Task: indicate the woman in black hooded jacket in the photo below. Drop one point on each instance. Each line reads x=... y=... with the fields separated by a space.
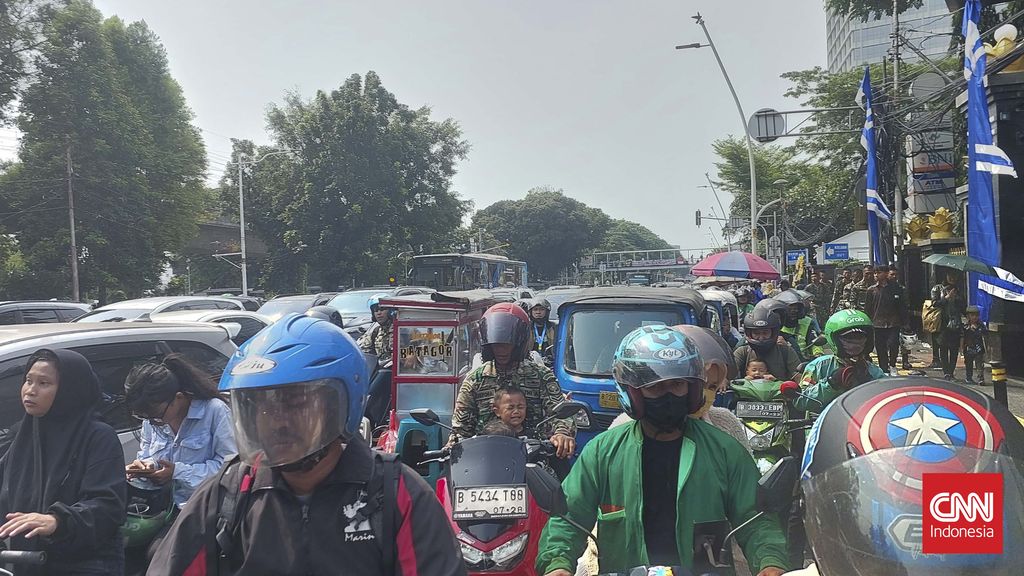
x=63 y=485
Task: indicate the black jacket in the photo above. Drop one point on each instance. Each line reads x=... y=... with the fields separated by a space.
x=886 y=305
x=280 y=535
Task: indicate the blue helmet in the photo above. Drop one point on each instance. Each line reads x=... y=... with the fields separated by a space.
x=374 y=302
x=295 y=387
x=652 y=354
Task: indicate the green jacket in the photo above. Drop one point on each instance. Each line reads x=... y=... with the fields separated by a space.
x=717 y=481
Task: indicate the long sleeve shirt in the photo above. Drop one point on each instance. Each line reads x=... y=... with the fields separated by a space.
x=204 y=442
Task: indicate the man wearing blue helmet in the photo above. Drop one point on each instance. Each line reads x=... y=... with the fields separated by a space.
x=306 y=495
x=649 y=483
x=377 y=339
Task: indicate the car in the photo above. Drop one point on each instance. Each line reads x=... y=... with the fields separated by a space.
x=143 y=308
x=277 y=307
x=243 y=325
x=113 y=349
x=250 y=303
x=40 y=311
x=354 y=308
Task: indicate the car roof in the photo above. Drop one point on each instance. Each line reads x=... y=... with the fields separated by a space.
x=14 y=334
x=293 y=297
x=65 y=303
x=719 y=296
x=155 y=301
x=637 y=295
x=204 y=316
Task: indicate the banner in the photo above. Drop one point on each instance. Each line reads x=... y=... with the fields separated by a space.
x=876 y=207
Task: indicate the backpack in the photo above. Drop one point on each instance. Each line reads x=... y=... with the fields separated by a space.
x=221 y=540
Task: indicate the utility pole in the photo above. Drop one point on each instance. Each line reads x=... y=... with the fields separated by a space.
x=241 y=226
x=71 y=219
x=897 y=186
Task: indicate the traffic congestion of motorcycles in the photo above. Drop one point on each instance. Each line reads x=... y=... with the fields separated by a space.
x=811 y=458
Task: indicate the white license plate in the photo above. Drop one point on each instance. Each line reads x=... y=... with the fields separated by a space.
x=764 y=410
x=490 y=502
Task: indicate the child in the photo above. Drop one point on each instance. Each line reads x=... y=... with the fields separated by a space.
x=974 y=345
x=510 y=407
x=758 y=370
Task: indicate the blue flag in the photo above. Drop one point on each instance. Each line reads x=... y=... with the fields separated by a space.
x=983 y=160
x=876 y=207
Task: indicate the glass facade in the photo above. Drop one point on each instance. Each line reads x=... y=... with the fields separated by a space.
x=853 y=43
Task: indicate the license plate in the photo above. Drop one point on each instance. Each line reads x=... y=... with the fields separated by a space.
x=490 y=502
x=764 y=410
x=609 y=400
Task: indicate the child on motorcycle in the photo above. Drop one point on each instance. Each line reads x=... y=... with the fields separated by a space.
x=758 y=370
x=510 y=408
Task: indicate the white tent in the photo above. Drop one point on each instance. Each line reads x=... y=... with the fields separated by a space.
x=857 y=241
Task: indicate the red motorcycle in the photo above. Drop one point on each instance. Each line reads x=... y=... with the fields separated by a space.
x=483 y=490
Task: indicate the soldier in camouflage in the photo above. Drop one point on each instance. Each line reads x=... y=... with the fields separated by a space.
x=504 y=334
x=377 y=340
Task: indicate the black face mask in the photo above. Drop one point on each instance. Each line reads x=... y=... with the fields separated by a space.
x=667 y=412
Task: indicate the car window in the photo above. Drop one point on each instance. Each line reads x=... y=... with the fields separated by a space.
x=12 y=375
x=69 y=314
x=226 y=305
x=592 y=336
x=202 y=355
x=112 y=364
x=9 y=317
x=250 y=326
x=206 y=305
x=176 y=307
x=38 y=316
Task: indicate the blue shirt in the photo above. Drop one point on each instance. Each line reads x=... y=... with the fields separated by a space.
x=205 y=440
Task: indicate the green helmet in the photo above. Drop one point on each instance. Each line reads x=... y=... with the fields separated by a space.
x=845 y=321
x=149 y=510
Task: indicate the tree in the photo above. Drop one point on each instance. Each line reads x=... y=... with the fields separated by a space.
x=865 y=9
x=21 y=24
x=623 y=235
x=546 y=229
x=102 y=92
x=368 y=177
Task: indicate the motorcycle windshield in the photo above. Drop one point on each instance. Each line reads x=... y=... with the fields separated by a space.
x=864 y=516
x=488 y=461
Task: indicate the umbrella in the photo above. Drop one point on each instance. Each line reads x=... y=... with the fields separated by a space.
x=737 y=265
x=962 y=263
x=705 y=280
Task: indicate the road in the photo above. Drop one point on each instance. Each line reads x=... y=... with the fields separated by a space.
x=921 y=357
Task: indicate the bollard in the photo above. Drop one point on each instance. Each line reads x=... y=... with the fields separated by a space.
x=999 y=383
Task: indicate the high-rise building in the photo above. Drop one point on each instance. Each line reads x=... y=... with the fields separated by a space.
x=852 y=43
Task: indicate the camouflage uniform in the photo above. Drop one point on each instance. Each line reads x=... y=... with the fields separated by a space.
x=838 y=295
x=476 y=395
x=822 y=295
x=377 y=340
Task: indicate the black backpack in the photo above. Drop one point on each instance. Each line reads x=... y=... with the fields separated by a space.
x=221 y=538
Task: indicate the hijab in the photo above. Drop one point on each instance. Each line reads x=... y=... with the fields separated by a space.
x=43 y=453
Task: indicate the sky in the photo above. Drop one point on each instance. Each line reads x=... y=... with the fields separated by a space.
x=589 y=96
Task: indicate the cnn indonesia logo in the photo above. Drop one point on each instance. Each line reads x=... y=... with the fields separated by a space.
x=962 y=514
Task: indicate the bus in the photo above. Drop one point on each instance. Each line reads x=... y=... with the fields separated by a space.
x=445 y=272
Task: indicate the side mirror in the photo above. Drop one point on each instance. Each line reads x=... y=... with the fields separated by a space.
x=820 y=341
x=424 y=416
x=775 y=488
x=790 y=390
x=569 y=408
x=546 y=491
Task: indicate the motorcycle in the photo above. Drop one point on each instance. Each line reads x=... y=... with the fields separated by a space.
x=764 y=411
x=483 y=490
x=711 y=540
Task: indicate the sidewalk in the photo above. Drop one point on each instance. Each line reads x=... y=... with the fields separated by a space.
x=921 y=358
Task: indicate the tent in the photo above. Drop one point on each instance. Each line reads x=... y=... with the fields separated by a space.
x=857 y=241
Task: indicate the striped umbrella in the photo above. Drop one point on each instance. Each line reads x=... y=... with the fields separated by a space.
x=736 y=264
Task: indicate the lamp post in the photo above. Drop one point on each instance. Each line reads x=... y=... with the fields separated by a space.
x=743 y=123
x=241 y=211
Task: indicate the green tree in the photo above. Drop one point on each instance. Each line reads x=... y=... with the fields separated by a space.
x=873 y=9
x=623 y=235
x=547 y=229
x=21 y=24
x=102 y=92
x=369 y=178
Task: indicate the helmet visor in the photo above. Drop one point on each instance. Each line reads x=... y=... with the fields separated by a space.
x=283 y=424
x=502 y=329
x=852 y=343
x=864 y=516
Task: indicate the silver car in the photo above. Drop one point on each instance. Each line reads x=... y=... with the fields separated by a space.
x=113 y=350
x=143 y=308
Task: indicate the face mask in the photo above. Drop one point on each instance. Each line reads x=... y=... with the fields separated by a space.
x=667 y=412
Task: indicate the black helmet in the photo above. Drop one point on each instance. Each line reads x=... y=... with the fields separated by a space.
x=504 y=323
x=781 y=309
x=867 y=465
x=758 y=318
x=328 y=313
x=795 y=306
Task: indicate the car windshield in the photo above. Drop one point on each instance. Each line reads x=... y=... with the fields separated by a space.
x=275 y=309
x=114 y=315
x=594 y=335
x=353 y=303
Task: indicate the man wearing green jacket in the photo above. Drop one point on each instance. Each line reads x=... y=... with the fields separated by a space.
x=647 y=484
x=850 y=334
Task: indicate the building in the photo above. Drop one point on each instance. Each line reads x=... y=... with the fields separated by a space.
x=852 y=43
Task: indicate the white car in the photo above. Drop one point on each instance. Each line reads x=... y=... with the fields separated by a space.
x=143 y=308
x=240 y=324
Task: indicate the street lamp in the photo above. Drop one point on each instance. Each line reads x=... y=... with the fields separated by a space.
x=743 y=123
x=241 y=210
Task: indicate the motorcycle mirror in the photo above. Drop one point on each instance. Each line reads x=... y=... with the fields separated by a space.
x=820 y=341
x=790 y=390
x=775 y=488
x=569 y=408
x=546 y=491
x=424 y=416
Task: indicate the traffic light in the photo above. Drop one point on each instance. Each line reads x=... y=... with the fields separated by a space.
x=698 y=217
x=392 y=281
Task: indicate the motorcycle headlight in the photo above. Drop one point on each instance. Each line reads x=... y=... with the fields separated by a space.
x=760 y=441
x=506 y=554
x=471 y=555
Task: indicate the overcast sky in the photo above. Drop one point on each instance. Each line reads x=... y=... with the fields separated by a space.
x=585 y=95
